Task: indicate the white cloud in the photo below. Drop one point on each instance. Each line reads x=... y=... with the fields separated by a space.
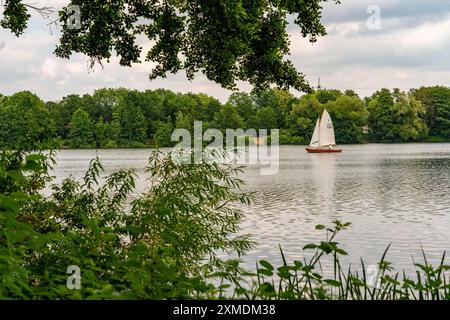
x=50 y=68
x=431 y=35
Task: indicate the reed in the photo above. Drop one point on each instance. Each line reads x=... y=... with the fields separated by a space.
x=305 y=280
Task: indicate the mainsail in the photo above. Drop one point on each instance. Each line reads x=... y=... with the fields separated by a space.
x=323 y=135
x=326 y=132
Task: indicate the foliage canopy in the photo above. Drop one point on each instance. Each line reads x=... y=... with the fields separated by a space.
x=228 y=41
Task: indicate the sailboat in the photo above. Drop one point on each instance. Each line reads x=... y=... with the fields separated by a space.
x=323 y=140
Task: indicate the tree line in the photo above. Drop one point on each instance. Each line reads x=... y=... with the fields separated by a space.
x=112 y=118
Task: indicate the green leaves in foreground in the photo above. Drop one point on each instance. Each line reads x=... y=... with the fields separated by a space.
x=158 y=246
x=306 y=280
x=166 y=243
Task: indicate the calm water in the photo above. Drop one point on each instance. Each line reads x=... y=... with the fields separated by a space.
x=390 y=193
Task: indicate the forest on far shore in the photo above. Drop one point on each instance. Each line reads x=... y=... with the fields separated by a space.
x=114 y=118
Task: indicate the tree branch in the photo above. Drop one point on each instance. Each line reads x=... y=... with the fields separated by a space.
x=45 y=12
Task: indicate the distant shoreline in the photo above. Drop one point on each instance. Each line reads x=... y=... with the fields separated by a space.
x=281 y=145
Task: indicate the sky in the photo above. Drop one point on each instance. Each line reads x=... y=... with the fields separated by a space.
x=371 y=44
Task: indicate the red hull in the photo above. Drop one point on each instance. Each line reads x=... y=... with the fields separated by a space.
x=314 y=150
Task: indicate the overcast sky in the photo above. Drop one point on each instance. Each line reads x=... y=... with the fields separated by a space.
x=410 y=49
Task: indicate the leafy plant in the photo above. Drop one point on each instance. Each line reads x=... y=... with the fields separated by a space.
x=160 y=248
x=304 y=280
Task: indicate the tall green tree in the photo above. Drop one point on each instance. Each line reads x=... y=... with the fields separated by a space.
x=102 y=133
x=326 y=95
x=228 y=118
x=280 y=101
x=437 y=103
x=205 y=108
x=349 y=118
x=67 y=107
x=103 y=103
x=163 y=134
x=81 y=130
x=244 y=105
x=396 y=116
x=25 y=121
x=303 y=117
x=152 y=106
x=115 y=132
x=183 y=121
x=351 y=93
x=266 y=118
x=133 y=124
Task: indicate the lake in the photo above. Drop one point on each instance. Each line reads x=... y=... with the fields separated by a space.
x=396 y=193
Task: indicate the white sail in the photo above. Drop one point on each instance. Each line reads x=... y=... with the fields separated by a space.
x=326 y=131
x=315 y=138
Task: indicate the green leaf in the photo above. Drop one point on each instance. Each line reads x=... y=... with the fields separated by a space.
x=267 y=288
x=310 y=246
x=265 y=272
x=266 y=265
x=35 y=157
x=326 y=247
x=110 y=237
x=333 y=283
x=341 y=251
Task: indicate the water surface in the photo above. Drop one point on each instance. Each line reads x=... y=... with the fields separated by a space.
x=397 y=194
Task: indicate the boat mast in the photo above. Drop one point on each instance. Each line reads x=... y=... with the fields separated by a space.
x=319 y=87
x=320 y=123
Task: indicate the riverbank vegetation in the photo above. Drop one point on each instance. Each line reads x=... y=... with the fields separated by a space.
x=112 y=118
x=167 y=243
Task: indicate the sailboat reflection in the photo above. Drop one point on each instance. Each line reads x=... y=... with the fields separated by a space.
x=323 y=175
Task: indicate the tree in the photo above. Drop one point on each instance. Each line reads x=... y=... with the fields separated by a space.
x=25 y=122
x=132 y=122
x=228 y=118
x=280 y=101
x=103 y=102
x=67 y=108
x=102 y=133
x=163 y=134
x=266 y=118
x=183 y=121
x=226 y=40
x=244 y=105
x=396 y=116
x=115 y=132
x=351 y=93
x=187 y=105
x=324 y=96
x=303 y=117
x=205 y=108
x=349 y=118
x=152 y=107
x=55 y=114
x=436 y=100
x=81 y=130
x=410 y=114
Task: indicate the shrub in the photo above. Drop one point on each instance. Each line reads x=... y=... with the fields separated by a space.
x=161 y=248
